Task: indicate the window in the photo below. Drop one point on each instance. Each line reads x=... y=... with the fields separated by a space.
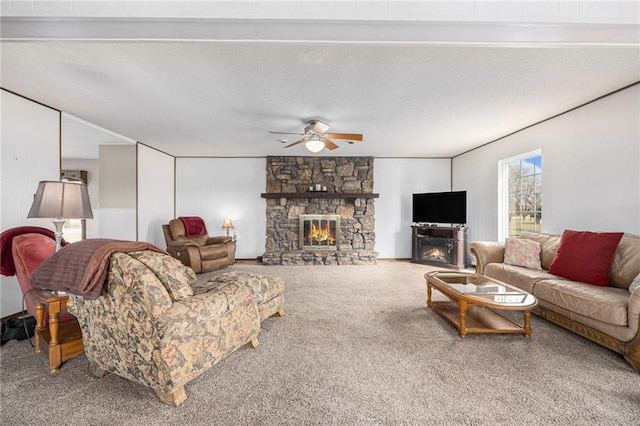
x=520 y=202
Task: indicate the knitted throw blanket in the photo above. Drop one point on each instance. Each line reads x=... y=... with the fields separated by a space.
x=193 y=226
x=81 y=268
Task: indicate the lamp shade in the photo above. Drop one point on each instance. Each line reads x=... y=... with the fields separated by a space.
x=227 y=224
x=61 y=200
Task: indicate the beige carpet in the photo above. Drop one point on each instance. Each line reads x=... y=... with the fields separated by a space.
x=357 y=347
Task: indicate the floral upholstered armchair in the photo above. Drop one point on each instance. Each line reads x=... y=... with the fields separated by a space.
x=152 y=327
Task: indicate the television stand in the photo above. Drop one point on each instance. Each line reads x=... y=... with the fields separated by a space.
x=439 y=246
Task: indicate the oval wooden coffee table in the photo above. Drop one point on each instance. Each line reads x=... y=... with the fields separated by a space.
x=474 y=302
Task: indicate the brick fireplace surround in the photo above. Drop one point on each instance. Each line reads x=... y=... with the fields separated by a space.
x=349 y=183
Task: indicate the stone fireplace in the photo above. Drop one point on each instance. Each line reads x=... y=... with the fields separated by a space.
x=335 y=226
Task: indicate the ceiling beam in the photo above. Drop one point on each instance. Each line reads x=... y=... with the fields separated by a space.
x=329 y=31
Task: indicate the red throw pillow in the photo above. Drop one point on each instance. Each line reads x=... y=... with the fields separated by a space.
x=586 y=256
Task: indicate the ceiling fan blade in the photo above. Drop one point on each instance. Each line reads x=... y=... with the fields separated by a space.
x=349 y=136
x=297 y=142
x=320 y=127
x=328 y=143
x=284 y=133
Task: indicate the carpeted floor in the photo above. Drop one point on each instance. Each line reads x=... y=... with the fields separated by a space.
x=357 y=347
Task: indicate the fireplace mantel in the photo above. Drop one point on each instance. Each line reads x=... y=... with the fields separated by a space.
x=348 y=195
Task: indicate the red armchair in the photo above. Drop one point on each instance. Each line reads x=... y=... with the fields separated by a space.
x=23 y=249
x=57 y=332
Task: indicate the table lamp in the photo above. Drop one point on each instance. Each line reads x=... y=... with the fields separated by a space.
x=227 y=225
x=60 y=201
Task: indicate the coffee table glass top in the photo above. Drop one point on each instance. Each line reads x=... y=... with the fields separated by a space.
x=484 y=288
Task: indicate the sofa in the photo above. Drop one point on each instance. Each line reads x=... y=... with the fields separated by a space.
x=201 y=253
x=156 y=325
x=606 y=314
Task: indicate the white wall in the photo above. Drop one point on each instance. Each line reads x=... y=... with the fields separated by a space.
x=117 y=176
x=116 y=217
x=396 y=180
x=30 y=153
x=113 y=199
x=221 y=188
x=590 y=170
x=156 y=200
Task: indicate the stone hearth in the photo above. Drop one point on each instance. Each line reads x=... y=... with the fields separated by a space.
x=349 y=194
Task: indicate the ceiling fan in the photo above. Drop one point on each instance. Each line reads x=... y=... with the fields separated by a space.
x=316 y=138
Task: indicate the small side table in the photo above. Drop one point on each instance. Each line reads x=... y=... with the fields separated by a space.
x=59 y=341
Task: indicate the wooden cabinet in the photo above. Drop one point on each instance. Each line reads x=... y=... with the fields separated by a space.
x=439 y=246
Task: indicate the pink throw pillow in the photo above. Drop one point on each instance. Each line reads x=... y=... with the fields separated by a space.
x=586 y=256
x=522 y=252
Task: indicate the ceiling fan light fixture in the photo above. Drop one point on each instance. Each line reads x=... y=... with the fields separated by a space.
x=315 y=145
x=316 y=138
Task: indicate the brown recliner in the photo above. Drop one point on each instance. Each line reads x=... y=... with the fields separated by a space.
x=201 y=253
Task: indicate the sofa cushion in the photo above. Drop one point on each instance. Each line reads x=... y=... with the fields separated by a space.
x=29 y=251
x=196 y=241
x=548 y=246
x=586 y=256
x=212 y=252
x=176 y=278
x=607 y=304
x=623 y=333
x=522 y=252
x=177 y=228
x=626 y=263
x=132 y=284
x=264 y=287
x=634 y=284
x=518 y=276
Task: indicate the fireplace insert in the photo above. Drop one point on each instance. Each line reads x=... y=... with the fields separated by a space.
x=319 y=231
x=436 y=249
x=439 y=246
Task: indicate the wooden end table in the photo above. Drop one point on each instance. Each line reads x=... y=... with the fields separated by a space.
x=59 y=341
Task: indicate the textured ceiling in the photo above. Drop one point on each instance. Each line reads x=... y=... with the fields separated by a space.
x=82 y=140
x=219 y=98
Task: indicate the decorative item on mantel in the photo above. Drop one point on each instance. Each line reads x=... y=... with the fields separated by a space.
x=319 y=194
x=317 y=188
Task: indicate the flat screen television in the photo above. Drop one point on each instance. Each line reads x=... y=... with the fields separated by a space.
x=440 y=207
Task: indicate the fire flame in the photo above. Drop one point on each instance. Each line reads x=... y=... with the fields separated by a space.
x=435 y=254
x=321 y=233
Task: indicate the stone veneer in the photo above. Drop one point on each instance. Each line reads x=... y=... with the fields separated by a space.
x=357 y=215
